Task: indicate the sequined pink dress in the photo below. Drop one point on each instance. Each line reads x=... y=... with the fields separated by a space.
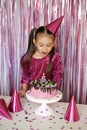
x=38 y=66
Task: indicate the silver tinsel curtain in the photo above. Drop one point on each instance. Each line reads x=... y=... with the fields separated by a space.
x=18 y=17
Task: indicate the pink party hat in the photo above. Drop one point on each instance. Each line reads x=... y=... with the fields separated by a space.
x=72 y=114
x=53 y=27
x=4 y=112
x=15 y=104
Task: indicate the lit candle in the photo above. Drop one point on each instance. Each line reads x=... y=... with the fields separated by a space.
x=43 y=79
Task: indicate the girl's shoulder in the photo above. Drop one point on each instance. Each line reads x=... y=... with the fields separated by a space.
x=56 y=56
x=23 y=58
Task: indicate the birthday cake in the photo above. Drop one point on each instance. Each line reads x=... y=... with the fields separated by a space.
x=43 y=88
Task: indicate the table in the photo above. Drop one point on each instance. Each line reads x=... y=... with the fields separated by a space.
x=44 y=108
x=27 y=119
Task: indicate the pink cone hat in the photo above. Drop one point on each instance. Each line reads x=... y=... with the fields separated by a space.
x=4 y=112
x=53 y=27
x=15 y=104
x=72 y=114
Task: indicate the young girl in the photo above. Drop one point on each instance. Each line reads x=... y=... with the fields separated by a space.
x=40 y=58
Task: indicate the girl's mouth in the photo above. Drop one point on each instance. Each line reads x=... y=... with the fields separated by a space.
x=44 y=53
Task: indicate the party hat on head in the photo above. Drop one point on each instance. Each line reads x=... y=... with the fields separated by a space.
x=53 y=27
x=72 y=114
x=15 y=104
x=4 y=112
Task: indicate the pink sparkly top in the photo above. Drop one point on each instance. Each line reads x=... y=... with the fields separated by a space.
x=37 y=67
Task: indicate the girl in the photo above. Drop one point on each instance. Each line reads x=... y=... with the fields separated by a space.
x=40 y=58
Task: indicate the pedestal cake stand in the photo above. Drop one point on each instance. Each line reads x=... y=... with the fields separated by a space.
x=44 y=109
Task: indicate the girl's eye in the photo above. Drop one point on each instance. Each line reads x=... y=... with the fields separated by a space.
x=41 y=45
x=48 y=45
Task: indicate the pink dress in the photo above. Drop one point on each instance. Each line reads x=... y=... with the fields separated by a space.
x=37 y=67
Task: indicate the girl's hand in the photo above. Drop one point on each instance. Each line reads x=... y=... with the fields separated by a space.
x=22 y=91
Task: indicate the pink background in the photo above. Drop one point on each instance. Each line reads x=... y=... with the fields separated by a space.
x=18 y=17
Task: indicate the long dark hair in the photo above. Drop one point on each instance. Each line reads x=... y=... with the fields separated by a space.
x=31 y=47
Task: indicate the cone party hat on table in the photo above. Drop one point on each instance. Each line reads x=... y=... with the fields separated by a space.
x=15 y=104
x=72 y=114
x=53 y=26
x=4 y=112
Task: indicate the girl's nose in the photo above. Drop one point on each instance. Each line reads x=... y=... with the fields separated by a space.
x=45 y=49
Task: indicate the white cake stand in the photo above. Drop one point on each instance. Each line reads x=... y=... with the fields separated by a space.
x=44 y=109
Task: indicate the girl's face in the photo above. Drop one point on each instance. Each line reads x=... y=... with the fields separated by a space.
x=44 y=44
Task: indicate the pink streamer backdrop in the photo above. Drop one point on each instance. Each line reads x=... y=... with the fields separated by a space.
x=18 y=17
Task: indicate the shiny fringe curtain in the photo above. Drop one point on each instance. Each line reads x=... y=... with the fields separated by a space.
x=18 y=17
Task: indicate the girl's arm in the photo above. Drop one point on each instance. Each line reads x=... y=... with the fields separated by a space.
x=24 y=82
x=57 y=69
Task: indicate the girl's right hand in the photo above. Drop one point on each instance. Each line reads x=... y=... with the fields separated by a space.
x=23 y=90
x=21 y=93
